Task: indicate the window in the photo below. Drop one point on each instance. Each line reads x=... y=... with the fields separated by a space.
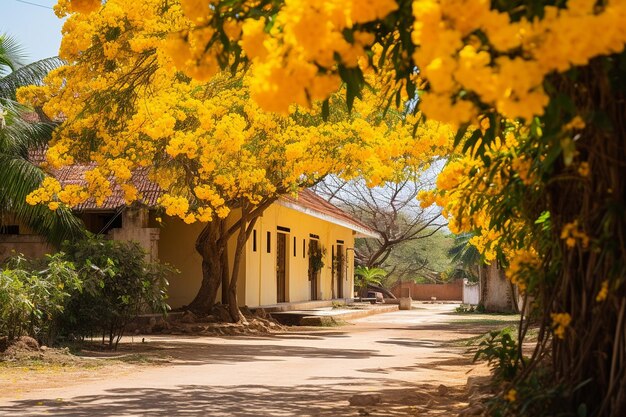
x=10 y=229
x=254 y=240
x=294 y=246
x=303 y=248
x=269 y=242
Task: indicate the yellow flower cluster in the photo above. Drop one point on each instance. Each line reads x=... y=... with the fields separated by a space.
x=520 y=262
x=468 y=181
x=295 y=60
x=572 y=233
x=98 y=186
x=174 y=205
x=511 y=395
x=77 y=6
x=45 y=193
x=522 y=166
x=560 y=321
x=604 y=291
x=506 y=66
x=583 y=169
x=480 y=51
x=73 y=195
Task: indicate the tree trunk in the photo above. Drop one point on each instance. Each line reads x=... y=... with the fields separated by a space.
x=589 y=284
x=211 y=246
x=225 y=265
x=242 y=237
x=482 y=285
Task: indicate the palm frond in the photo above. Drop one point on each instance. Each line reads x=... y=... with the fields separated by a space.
x=18 y=175
x=18 y=178
x=20 y=135
x=462 y=252
x=12 y=54
x=31 y=74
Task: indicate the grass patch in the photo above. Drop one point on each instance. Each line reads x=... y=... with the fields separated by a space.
x=488 y=321
x=476 y=340
x=513 y=329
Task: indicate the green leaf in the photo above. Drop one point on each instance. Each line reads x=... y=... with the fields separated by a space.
x=545 y=216
x=473 y=139
x=325 y=109
x=460 y=134
x=354 y=83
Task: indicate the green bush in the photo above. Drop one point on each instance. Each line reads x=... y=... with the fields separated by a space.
x=364 y=276
x=33 y=294
x=118 y=284
x=465 y=309
x=501 y=351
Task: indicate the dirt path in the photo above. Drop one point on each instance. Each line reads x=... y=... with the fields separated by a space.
x=403 y=356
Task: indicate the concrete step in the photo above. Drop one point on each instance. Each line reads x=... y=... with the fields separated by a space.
x=302 y=305
x=326 y=317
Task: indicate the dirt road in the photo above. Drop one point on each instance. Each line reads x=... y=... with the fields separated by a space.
x=405 y=357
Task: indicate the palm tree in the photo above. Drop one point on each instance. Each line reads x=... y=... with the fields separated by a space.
x=19 y=175
x=364 y=277
x=465 y=258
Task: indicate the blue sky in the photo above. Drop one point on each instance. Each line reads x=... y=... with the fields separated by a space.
x=36 y=28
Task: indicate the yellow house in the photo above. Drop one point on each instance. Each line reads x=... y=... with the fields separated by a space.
x=278 y=263
x=301 y=249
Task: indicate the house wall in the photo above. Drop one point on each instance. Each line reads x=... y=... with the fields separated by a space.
x=176 y=247
x=261 y=282
x=135 y=228
x=31 y=246
x=257 y=284
x=26 y=242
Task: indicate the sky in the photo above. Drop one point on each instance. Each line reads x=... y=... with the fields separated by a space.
x=34 y=25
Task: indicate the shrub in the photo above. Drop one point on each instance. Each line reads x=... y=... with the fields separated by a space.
x=502 y=353
x=465 y=309
x=119 y=283
x=365 y=276
x=33 y=294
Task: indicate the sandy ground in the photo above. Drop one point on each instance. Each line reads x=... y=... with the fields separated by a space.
x=404 y=356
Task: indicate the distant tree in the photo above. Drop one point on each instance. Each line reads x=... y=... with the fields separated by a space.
x=423 y=260
x=393 y=211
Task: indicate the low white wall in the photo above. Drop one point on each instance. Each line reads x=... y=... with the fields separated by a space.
x=471 y=293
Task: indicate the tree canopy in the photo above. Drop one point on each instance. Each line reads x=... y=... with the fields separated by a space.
x=126 y=105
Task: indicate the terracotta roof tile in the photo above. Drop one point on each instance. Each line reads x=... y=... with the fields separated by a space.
x=75 y=174
x=306 y=199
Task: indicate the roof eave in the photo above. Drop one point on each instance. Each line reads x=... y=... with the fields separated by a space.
x=360 y=231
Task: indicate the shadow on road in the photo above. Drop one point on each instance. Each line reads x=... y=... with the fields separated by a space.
x=245 y=401
x=190 y=352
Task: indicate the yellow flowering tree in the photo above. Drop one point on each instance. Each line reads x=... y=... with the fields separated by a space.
x=218 y=158
x=536 y=90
